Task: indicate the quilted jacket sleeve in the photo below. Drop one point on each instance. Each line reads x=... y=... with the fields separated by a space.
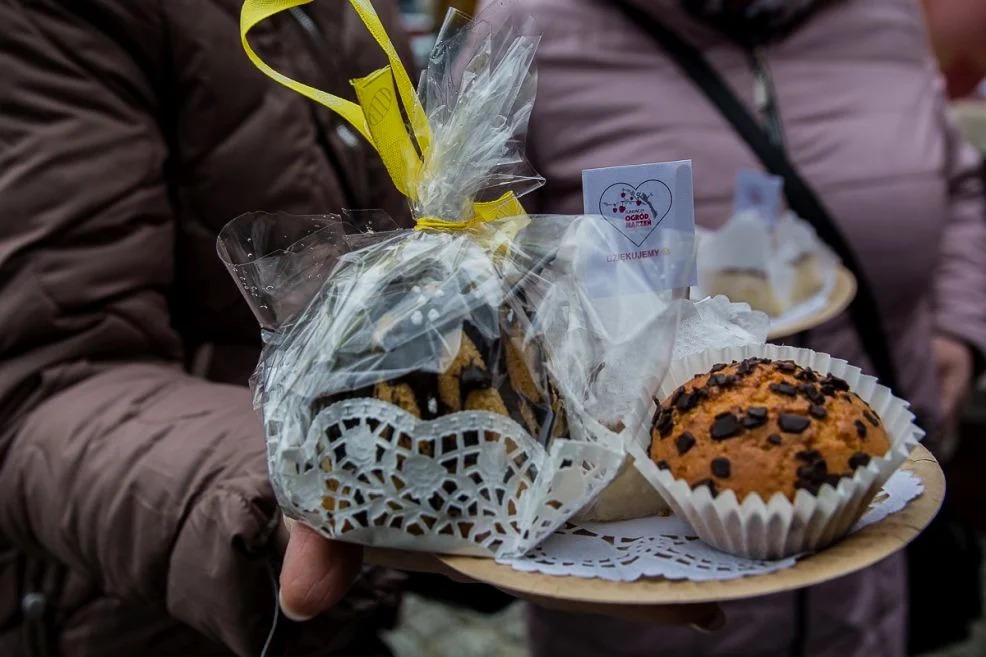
x=113 y=461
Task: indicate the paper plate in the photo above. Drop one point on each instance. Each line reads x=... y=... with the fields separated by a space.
x=849 y=555
x=841 y=294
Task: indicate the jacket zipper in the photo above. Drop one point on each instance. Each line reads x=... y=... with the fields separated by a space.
x=35 y=630
x=765 y=97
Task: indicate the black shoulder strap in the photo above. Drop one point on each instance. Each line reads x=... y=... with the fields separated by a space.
x=800 y=196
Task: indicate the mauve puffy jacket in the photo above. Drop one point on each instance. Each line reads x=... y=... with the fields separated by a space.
x=866 y=122
x=134 y=495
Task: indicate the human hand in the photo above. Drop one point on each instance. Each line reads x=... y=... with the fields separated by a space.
x=954 y=365
x=316 y=572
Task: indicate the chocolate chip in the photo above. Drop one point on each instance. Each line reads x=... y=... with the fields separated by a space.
x=720 y=467
x=872 y=419
x=718 y=367
x=687 y=401
x=784 y=389
x=475 y=378
x=685 y=442
x=722 y=380
x=828 y=390
x=860 y=428
x=753 y=423
x=819 y=470
x=786 y=366
x=808 y=485
x=723 y=414
x=859 y=460
x=755 y=417
x=817 y=411
x=707 y=482
x=774 y=439
x=815 y=471
x=833 y=480
x=809 y=455
x=746 y=367
x=789 y=423
x=663 y=465
x=725 y=427
x=806 y=375
x=666 y=427
x=676 y=396
x=810 y=391
x=836 y=382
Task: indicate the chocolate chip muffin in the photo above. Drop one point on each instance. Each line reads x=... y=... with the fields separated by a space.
x=761 y=426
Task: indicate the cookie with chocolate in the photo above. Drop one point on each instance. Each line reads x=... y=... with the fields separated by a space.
x=493 y=368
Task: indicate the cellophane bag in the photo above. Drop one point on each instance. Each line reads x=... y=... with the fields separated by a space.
x=439 y=388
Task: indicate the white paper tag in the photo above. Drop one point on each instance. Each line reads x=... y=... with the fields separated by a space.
x=760 y=192
x=649 y=211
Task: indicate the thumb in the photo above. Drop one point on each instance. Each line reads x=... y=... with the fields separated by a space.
x=316 y=573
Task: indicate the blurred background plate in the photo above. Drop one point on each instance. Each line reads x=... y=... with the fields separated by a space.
x=841 y=294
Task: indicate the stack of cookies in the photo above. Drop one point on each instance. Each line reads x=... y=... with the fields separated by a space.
x=486 y=360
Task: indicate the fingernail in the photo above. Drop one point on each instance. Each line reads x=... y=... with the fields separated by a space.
x=290 y=614
x=715 y=622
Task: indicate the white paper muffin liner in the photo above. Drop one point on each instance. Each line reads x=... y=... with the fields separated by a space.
x=778 y=528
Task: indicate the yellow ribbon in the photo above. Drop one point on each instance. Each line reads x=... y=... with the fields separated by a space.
x=377 y=116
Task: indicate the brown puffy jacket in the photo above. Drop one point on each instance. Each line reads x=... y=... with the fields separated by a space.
x=135 y=512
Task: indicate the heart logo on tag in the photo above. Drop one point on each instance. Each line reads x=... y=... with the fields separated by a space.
x=636 y=212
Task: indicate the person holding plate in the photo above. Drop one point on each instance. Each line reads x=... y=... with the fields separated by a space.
x=842 y=98
x=136 y=515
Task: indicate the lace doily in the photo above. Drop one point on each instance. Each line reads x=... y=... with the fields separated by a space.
x=468 y=483
x=667 y=547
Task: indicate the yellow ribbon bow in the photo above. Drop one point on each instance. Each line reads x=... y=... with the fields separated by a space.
x=377 y=116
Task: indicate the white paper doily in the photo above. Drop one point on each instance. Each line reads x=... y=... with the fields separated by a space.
x=667 y=547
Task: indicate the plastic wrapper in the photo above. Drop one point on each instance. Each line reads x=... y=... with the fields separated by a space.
x=711 y=322
x=440 y=388
x=773 y=269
